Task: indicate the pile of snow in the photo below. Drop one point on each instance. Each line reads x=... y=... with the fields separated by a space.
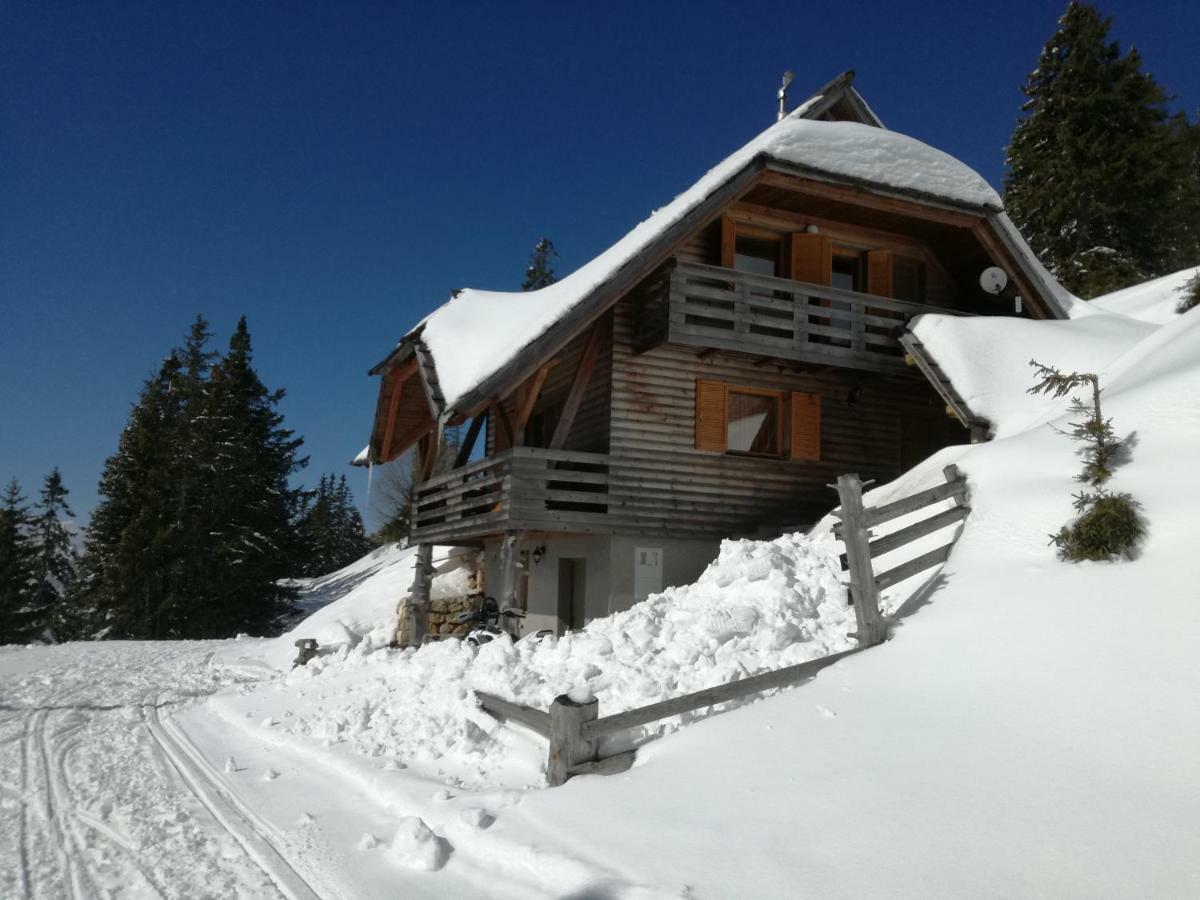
x=760 y=606
x=987 y=358
x=360 y=604
x=1154 y=301
x=475 y=332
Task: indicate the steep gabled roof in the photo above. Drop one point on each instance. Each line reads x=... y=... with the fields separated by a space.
x=483 y=341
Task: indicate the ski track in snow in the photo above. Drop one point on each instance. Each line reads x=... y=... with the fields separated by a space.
x=110 y=799
x=232 y=815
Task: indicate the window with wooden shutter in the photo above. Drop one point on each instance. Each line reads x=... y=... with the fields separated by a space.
x=710 y=416
x=879 y=273
x=812 y=258
x=806 y=426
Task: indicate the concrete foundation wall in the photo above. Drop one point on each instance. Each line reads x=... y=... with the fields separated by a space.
x=605 y=571
x=682 y=561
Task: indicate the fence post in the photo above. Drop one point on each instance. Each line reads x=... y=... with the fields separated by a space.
x=418 y=604
x=871 y=629
x=568 y=747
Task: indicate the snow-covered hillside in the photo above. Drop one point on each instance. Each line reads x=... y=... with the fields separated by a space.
x=1029 y=730
x=1154 y=301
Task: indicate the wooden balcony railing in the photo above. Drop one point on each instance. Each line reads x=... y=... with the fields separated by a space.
x=525 y=488
x=712 y=307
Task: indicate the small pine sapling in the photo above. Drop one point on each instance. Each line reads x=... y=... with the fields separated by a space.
x=1108 y=524
x=1191 y=294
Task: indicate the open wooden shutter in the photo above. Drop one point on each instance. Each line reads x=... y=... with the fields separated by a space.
x=806 y=426
x=728 y=242
x=710 y=416
x=812 y=258
x=879 y=273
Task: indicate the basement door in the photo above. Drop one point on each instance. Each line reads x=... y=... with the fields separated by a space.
x=647 y=572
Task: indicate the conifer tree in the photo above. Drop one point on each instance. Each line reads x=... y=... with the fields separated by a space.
x=16 y=567
x=1097 y=178
x=330 y=529
x=540 y=271
x=193 y=534
x=1108 y=525
x=251 y=507
x=128 y=576
x=56 y=562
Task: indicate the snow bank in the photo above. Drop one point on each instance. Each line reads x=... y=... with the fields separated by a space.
x=475 y=333
x=987 y=358
x=759 y=606
x=360 y=603
x=1153 y=301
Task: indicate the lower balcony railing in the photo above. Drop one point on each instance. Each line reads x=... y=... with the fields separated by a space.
x=525 y=488
x=726 y=309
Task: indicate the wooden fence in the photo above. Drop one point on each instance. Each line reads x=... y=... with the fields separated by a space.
x=854 y=531
x=574 y=728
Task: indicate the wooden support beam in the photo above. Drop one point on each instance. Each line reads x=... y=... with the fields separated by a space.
x=468 y=444
x=503 y=421
x=528 y=398
x=587 y=362
x=430 y=444
x=389 y=427
x=422 y=587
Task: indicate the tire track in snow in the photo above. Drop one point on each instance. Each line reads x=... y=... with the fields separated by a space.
x=230 y=813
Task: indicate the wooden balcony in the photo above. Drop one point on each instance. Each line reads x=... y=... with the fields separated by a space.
x=522 y=489
x=712 y=307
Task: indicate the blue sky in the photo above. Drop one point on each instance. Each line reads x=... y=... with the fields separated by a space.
x=332 y=171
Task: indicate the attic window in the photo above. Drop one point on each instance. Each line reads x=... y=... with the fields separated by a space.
x=750 y=249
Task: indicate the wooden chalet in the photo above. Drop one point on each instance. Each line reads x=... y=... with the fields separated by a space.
x=710 y=375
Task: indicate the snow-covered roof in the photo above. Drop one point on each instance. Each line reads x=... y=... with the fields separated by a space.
x=1152 y=301
x=477 y=332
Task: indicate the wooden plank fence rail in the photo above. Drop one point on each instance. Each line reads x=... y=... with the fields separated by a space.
x=574 y=727
x=533 y=719
x=853 y=530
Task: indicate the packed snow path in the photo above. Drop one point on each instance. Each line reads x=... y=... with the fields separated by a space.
x=103 y=794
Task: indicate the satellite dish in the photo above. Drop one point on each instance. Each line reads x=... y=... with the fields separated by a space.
x=993 y=279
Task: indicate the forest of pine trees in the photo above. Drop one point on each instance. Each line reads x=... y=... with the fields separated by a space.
x=330 y=529
x=1101 y=180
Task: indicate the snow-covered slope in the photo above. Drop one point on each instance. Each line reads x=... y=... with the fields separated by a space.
x=1154 y=301
x=1029 y=730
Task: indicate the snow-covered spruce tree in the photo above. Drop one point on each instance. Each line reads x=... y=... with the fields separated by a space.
x=540 y=271
x=1108 y=524
x=251 y=543
x=55 y=560
x=17 y=625
x=130 y=565
x=1098 y=180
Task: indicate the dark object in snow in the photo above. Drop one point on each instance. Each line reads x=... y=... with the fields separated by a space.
x=488 y=616
x=1191 y=294
x=308 y=649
